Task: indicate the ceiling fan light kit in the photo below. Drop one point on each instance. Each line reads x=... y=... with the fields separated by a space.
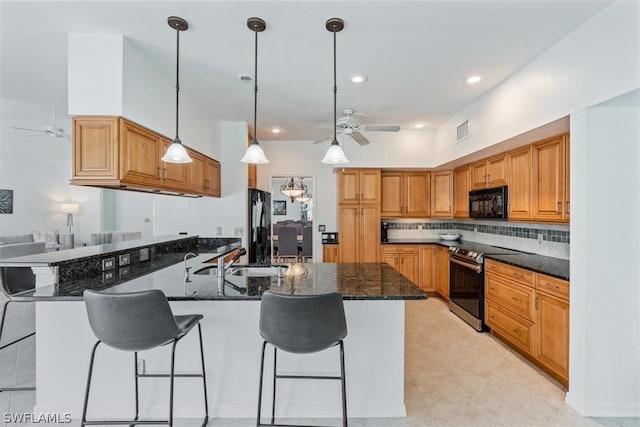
x=176 y=153
x=335 y=155
x=254 y=153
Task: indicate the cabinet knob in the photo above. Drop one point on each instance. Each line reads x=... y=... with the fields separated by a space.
x=559 y=209
x=566 y=206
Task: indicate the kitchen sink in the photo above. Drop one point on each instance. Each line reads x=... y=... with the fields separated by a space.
x=268 y=270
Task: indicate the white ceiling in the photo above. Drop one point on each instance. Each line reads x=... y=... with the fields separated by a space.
x=415 y=53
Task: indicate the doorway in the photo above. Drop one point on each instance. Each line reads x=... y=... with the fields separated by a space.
x=292 y=209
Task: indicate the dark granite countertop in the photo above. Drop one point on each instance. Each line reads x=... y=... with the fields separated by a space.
x=370 y=281
x=555 y=267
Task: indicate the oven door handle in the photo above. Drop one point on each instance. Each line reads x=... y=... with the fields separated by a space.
x=476 y=267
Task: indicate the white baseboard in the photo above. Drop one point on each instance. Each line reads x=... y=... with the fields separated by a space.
x=631 y=410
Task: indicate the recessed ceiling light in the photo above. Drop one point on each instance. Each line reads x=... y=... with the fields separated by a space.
x=418 y=125
x=245 y=77
x=359 y=78
x=275 y=130
x=473 y=79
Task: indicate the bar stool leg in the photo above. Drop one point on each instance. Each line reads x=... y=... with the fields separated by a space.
x=273 y=402
x=171 y=381
x=4 y=315
x=204 y=379
x=264 y=344
x=344 y=386
x=86 y=393
x=135 y=367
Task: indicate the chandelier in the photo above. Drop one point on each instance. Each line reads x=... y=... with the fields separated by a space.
x=293 y=188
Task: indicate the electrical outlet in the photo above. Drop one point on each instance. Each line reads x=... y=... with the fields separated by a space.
x=144 y=254
x=124 y=259
x=108 y=264
x=147 y=220
x=540 y=238
x=239 y=231
x=141 y=366
x=218 y=231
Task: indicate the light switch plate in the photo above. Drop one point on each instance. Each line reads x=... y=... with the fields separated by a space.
x=144 y=254
x=321 y=227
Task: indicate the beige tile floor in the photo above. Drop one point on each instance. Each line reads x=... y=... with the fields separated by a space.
x=454 y=377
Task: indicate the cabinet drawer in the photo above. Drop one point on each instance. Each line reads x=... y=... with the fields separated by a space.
x=513 y=328
x=399 y=249
x=552 y=285
x=514 y=297
x=510 y=271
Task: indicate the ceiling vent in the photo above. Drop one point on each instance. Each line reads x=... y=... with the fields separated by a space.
x=462 y=131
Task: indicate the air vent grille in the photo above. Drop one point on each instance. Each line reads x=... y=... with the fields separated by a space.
x=462 y=131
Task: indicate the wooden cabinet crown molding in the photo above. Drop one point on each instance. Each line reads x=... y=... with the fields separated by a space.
x=114 y=152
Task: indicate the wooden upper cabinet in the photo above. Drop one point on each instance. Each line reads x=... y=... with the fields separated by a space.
x=95 y=153
x=490 y=172
x=359 y=186
x=139 y=154
x=113 y=152
x=519 y=196
x=549 y=175
x=442 y=194
x=405 y=194
x=567 y=180
x=461 y=184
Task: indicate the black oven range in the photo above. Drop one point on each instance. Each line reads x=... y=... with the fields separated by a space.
x=466 y=280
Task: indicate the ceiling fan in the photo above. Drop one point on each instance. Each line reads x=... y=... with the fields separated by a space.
x=52 y=131
x=351 y=125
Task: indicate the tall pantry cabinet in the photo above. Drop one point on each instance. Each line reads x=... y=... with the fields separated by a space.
x=359 y=215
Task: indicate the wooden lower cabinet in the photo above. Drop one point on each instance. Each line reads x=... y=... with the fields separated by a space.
x=329 y=253
x=442 y=268
x=426 y=267
x=404 y=258
x=530 y=311
x=359 y=230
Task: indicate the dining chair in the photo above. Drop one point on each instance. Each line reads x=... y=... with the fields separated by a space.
x=307 y=243
x=288 y=243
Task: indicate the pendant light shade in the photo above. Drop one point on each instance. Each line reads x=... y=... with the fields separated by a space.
x=335 y=155
x=176 y=153
x=254 y=153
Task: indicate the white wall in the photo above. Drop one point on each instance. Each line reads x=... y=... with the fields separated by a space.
x=598 y=61
x=605 y=320
x=38 y=168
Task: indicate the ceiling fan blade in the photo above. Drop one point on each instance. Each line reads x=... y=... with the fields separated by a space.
x=381 y=128
x=359 y=138
x=29 y=130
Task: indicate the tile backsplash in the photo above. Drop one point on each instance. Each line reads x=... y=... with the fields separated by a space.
x=544 y=239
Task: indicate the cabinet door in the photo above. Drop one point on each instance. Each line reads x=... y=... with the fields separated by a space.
x=369 y=230
x=349 y=186
x=392 y=259
x=417 y=200
x=392 y=194
x=552 y=334
x=95 y=147
x=329 y=253
x=348 y=229
x=442 y=286
x=172 y=175
x=196 y=172
x=212 y=178
x=461 y=192
x=567 y=178
x=479 y=175
x=426 y=268
x=139 y=155
x=519 y=175
x=548 y=179
x=370 y=186
x=441 y=194
x=409 y=266
x=497 y=171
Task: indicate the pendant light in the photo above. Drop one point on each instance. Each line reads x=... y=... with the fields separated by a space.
x=335 y=155
x=254 y=153
x=293 y=189
x=176 y=153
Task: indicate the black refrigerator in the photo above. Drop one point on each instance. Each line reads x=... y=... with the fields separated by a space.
x=259 y=226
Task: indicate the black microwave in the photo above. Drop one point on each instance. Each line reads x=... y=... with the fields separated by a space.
x=490 y=203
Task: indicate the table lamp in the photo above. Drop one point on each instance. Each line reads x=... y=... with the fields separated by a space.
x=69 y=209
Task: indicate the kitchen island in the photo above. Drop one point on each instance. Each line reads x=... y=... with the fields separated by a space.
x=374 y=348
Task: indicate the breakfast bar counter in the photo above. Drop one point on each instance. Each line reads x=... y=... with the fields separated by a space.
x=374 y=297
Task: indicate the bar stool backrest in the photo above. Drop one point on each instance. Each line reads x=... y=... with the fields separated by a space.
x=302 y=323
x=133 y=321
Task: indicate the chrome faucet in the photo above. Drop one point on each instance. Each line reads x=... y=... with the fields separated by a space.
x=186 y=269
x=222 y=267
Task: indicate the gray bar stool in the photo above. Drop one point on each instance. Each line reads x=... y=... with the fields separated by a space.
x=139 y=321
x=15 y=282
x=301 y=324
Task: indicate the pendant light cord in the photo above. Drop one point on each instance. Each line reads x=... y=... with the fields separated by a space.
x=255 y=88
x=177 y=80
x=335 y=90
